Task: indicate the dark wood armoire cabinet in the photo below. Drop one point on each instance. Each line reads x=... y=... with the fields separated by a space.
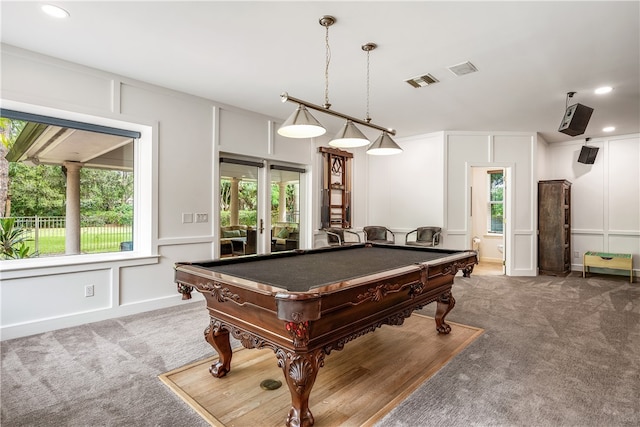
x=554 y=227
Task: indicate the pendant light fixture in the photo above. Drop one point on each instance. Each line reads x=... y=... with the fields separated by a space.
x=349 y=137
x=301 y=124
x=384 y=145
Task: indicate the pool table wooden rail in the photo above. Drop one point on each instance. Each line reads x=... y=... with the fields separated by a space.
x=302 y=327
x=364 y=298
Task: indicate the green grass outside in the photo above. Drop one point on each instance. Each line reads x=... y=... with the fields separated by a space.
x=92 y=240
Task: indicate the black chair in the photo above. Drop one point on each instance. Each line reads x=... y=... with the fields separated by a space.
x=336 y=236
x=425 y=236
x=378 y=234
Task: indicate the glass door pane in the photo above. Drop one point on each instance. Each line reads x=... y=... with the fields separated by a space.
x=285 y=209
x=239 y=184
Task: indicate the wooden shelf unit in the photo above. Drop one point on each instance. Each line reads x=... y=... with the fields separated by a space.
x=336 y=188
x=554 y=227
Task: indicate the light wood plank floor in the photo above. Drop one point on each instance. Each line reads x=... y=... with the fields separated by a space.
x=357 y=386
x=485 y=268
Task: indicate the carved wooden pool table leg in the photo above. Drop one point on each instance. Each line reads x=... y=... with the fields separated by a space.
x=446 y=301
x=219 y=340
x=300 y=372
x=466 y=271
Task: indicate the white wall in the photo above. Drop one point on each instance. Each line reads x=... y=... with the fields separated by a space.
x=605 y=205
x=186 y=134
x=426 y=185
x=405 y=191
x=516 y=153
x=543 y=173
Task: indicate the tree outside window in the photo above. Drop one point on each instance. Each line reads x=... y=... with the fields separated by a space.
x=33 y=195
x=247 y=202
x=496 y=203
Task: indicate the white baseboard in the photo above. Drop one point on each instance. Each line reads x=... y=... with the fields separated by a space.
x=76 y=319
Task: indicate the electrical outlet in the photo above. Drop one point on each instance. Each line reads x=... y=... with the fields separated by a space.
x=88 y=290
x=576 y=254
x=202 y=217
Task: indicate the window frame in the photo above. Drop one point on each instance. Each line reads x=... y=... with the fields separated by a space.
x=491 y=203
x=145 y=217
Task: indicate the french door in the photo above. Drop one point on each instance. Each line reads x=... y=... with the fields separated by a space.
x=259 y=206
x=285 y=207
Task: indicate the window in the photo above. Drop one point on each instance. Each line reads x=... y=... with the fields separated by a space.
x=71 y=185
x=495 y=212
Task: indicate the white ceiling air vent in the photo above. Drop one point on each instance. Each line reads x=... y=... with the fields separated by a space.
x=462 y=69
x=422 y=81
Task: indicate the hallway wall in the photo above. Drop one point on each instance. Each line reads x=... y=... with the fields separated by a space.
x=605 y=213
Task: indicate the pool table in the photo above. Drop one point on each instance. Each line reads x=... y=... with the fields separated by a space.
x=303 y=304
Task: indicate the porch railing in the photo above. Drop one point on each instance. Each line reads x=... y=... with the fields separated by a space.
x=47 y=235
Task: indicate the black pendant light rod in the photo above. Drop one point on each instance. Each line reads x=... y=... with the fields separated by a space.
x=286 y=97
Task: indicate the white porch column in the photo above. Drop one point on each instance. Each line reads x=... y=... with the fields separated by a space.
x=233 y=204
x=72 y=239
x=282 y=202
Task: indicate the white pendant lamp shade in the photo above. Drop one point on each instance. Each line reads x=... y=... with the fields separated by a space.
x=301 y=124
x=349 y=137
x=383 y=146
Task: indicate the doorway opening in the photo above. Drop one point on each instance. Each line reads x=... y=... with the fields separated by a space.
x=488 y=218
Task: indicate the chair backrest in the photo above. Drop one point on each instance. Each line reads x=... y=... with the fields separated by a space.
x=335 y=236
x=426 y=233
x=282 y=230
x=375 y=233
x=340 y=236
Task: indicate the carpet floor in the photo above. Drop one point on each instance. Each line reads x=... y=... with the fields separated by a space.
x=555 y=352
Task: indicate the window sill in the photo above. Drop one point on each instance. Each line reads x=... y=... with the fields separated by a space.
x=10 y=269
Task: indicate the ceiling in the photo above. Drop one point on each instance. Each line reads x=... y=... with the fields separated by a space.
x=245 y=54
x=54 y=145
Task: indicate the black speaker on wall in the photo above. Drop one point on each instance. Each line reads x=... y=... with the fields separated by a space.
x=588 y=155
x=576 y=119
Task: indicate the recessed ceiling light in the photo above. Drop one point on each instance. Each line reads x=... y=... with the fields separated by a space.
x=604 y=89
x=55 y=11
x=608 y=129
